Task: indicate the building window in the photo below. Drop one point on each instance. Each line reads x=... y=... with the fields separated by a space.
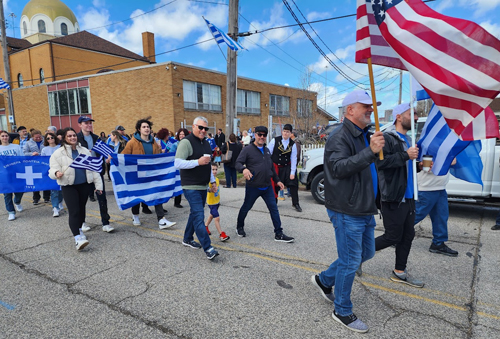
x=64 y=29
x=41 y=27
x=70 y=101
x=248 y=102
x=20 y=81
x=25 y=28
x=279 y=105
x=304 y=107
x=42 y=76
x=202 y=97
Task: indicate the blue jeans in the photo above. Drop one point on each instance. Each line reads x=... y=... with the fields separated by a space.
x=498 y=219
x=56 y=198
x=355 y=236
x=9 y=206
x=196 y=220
x=251 y=195
x=230 y=175
x=434 y=204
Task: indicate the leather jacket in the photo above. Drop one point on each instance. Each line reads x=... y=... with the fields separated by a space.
x=393 y=170
x=348 y=178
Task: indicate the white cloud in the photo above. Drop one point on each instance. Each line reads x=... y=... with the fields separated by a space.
x=322 y=65
x=333 y=98
x=312 y=16
x=493 y=29
x=98 y=3
x=479 y=7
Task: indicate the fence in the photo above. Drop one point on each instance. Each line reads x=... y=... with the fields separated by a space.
x=309 y=147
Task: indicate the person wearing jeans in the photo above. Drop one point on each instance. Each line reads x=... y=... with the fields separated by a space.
x=229 y=169
x=8 y=149
x=351 y=185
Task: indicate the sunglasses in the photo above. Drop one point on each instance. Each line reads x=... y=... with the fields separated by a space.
x=203 y=128
x=50 y=138
x=262 y=134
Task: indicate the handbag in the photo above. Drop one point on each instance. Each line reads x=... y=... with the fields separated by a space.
x=226 y=158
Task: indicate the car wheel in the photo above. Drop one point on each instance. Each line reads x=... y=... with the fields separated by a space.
x=318 y=188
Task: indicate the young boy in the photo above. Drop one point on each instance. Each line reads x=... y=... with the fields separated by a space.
x=213 y=202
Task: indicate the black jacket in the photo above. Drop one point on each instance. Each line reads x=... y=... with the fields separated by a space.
x=348 y=179
x=260 y=165
x=236 y=148
x=220 y=139
x=393 y=171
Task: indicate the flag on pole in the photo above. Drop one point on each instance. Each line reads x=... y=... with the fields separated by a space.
x=87 y=162
x=444 y=146
x=102 y=148
x=221 y=37
x=152 y=179
x=25 y=174
x=456 y=61
x=3 y=84
x=417 y=91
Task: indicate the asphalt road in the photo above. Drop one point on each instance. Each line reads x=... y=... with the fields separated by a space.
x=140 y=282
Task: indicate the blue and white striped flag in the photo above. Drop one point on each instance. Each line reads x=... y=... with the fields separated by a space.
x=221 y=37
x=102 y=149
x=87 y=162
x=152 y=179
x=438 y=140
x=3 y=84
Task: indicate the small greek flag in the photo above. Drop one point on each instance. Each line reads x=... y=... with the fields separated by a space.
x=87 y=162
x=3 y=84
x=221 y=37
x=152 y=179
x=102 y=149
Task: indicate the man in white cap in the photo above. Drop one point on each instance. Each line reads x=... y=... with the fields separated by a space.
x=350 y=190
x=396 y=193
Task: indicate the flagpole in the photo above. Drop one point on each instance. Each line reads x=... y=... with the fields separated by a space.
x=374 y=100
x=414 y=136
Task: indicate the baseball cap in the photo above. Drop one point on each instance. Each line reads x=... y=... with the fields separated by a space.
x=120 y=128
x=399 y=109
x=261 y=129
x=84 y=119
x=360 y=96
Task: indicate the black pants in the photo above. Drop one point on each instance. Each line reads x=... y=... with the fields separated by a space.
x=46 y=195
x=76 y=197
x=399 y=221
x=178 y=199
x=284 y=175
x=158 y=209
x=103 y=204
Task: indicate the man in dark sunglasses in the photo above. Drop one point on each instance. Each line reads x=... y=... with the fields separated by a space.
x=257 y=167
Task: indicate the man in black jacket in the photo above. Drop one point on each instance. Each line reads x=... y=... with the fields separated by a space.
x=88 y=139
x=396 y=193
x=220 y=138
x=257 y=167
x=350 y=191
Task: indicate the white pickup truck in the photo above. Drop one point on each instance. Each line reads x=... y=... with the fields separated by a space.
x=312 y=174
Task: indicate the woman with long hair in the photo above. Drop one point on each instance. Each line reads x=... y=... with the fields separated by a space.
x=8 y=149
x=51 y=144
x=118 y=143
x=229 y=168
x=75 y=183
x=181 y=134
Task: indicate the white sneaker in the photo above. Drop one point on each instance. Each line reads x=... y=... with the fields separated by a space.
x=81 y=242
x=12 y=216
x=85 y=228
x=164 y=223
x=61 y=206
x=136 y=221
x=56 y=212
x=107 y=228
x=19 y=207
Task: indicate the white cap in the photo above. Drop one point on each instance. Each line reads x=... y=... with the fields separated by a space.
x=399 y=109
x=358 y=96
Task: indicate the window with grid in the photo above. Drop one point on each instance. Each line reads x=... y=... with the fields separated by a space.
x=248 y=102
x=70 y=101
x=279 y=105
x=304 y=107
x=202 y=97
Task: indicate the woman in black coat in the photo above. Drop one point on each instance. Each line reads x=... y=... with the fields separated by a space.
x=229 y=168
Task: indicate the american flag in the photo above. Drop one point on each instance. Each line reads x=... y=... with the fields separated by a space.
x=456 y=61
x=221 y=37
x=87 y=162
x=102 y=148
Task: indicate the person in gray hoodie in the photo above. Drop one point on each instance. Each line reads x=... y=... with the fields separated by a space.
x=34 y=147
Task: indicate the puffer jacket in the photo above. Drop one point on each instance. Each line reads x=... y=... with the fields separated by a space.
x=60 y=161
x=31 y=146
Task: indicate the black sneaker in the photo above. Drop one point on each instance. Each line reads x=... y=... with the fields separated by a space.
x=46 y=201
x=241 y=232
x=325 y=291
x=351 y=322
x=442 y=249
x=283 y=238
x=298 y=208
x=92 y=199
x=495 y=228
x=36 y=202
x=192 y=244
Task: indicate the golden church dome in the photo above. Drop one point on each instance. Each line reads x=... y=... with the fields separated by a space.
x=51 y=8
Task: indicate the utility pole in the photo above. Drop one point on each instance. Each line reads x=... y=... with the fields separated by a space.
x=231 y=84
x=400 y=86
x=6 y=65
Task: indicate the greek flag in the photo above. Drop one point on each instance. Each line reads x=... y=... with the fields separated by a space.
x=3 y=84
x=25 y=174
x=152 y=179
x=438 y=140
x=102 y=149
x=221 y=37
x=87 y=162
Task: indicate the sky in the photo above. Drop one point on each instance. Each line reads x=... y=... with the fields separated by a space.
x=283 y=56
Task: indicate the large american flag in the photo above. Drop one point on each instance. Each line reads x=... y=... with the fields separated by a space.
x=455 y=60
